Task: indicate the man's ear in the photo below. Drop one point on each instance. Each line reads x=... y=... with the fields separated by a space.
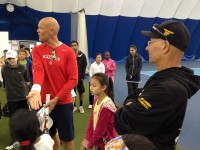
x=51 y=31
x=166 y=46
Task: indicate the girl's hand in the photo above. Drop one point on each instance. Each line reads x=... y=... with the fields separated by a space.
x=84 y=144
x=82 y=147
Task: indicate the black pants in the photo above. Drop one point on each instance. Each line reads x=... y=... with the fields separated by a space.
x=91 y=97
x=132 y=87
x=16 y=105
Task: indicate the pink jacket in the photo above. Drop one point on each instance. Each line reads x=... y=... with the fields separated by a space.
x=105 y=130
x=110 y=68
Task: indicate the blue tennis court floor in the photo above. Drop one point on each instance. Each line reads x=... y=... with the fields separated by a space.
x=150 y=73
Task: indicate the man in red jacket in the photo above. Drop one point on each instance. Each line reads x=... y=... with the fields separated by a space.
x=54 y=72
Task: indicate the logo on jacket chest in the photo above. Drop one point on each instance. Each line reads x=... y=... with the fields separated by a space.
x=49 y=57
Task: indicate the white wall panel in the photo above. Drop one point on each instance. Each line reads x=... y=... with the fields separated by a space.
x=185 y=9
x=40 y=5
x=169 y=8
x=132 y=8
x=181 y=9
x=111 y=7
x=93 y=7
x=195 y=12
x=151 y=8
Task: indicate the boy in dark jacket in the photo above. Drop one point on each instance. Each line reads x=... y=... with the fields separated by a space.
x=16 y=79
x=82 y=64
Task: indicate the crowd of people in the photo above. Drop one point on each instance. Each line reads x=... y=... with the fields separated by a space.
x=150 y=118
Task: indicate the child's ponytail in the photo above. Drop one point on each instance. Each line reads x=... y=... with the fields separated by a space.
x=110 y=89
x=27 y=145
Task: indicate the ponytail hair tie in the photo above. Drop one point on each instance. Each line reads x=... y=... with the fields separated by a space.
x=25 y=143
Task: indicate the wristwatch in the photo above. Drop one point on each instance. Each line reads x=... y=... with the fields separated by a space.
x=10 y=7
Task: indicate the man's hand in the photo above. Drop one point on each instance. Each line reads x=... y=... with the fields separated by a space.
x=51 y=104
x=34 y=99
x=129 y=103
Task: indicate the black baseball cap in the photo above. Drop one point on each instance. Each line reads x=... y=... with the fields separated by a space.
x=173 y=31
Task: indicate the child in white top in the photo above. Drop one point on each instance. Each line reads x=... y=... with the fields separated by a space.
x=96 y=67
x=25 y=128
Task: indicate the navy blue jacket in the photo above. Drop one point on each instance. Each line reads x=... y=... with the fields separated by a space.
x=157 y=110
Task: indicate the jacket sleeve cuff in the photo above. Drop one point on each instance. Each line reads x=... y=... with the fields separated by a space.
x=73 y=93
x=127 y=100
x=36 y=87
x=89 y=146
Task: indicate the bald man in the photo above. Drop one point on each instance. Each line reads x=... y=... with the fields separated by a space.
x=54 y=72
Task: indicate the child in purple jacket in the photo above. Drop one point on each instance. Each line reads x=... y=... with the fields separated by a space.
x=101 y=123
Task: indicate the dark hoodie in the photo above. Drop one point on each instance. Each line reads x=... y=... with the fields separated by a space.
x=82 y=64
x=15 y=80
x=133 y=67
x=158 y=110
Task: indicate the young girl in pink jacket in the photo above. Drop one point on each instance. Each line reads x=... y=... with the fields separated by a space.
x=101 y=123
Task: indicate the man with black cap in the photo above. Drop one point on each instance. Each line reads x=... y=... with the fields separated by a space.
x=157 y=110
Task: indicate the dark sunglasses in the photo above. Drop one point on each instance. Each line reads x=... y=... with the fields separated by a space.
x=155 y=28
x=53 y=54
x=10 y=58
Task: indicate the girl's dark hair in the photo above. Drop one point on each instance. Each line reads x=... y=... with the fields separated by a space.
x=104 y=80
x=134 y=141
x=98 y=55
x=24 y=126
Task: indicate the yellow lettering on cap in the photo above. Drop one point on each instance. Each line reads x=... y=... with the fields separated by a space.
x=144 y=103
x=167 y=32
